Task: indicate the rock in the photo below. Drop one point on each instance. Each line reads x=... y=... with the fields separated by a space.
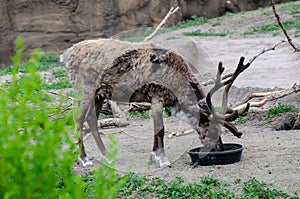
x=297 y=122
x=286 y=122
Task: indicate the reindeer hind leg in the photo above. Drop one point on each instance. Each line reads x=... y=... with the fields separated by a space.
x=84 y=104
x=91 y=119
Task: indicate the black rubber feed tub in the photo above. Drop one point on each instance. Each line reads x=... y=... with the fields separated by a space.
x=232 y=153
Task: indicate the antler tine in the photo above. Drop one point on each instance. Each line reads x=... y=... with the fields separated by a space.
x=233 y=113
x=240 y=68
x=233 y=129
x=218 y=85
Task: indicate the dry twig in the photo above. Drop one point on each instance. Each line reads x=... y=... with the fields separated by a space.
x=171 y=11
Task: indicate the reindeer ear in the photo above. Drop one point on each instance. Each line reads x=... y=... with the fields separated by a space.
x=204 y=118
x=204 y=110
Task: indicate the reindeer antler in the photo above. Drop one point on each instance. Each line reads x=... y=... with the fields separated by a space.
x=226 y=115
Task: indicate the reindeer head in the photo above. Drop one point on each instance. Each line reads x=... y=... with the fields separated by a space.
x=210 y=121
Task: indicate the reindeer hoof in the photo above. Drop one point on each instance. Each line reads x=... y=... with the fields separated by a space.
x=160 y=160
x=239 y=134
x=86 y=163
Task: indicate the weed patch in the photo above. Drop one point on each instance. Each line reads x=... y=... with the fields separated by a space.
x=281 y=108
x=206 y=187
x=206 y=34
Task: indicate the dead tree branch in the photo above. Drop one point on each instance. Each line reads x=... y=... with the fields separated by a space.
x=109 y=122
x=171 y=11
x=269 y=96
x=264 y=51
x=282 y=27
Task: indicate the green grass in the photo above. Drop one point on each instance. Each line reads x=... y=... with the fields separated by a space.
x=294 y=7
x=205 y=34
x=281 y=108
x=288 y=25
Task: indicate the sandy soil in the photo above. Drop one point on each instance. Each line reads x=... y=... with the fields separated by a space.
x=269 y=155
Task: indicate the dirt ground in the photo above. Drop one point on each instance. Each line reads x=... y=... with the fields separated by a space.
x=269 y=155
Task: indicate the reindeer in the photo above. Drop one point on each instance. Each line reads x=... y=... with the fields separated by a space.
x=143 y=72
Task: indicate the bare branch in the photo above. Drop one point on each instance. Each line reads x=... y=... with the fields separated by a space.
x=282 y=27
x=171 y=11
x=264 y=51
x=269 y=96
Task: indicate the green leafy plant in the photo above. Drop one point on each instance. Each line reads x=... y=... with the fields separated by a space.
x=49 y=60
x=206 y=187
x=34 y=160
x=255 y=189
x=167 y=111
x=242 y=119
x=59 y=72
x=37 y=152
x=281 y=108
x=61 y=84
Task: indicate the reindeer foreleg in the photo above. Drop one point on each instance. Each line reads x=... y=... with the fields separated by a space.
x=158 y=154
